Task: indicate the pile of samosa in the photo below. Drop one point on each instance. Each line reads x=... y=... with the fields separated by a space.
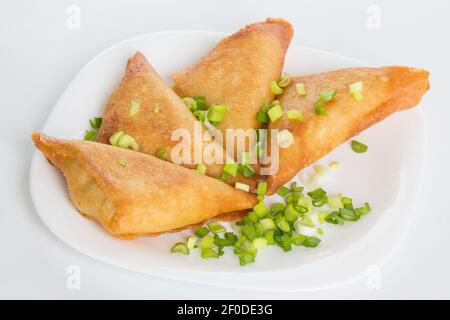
x=133 y=193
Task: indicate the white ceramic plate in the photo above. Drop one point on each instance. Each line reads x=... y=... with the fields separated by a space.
x=387 y=176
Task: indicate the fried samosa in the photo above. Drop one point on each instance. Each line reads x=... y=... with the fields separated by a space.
x=145 y=108
x=133 y=194
x=384 y=91
x=238 y=72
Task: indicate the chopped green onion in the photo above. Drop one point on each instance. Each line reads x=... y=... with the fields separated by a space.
x=348 y=215
x=334 y=165
x=245 y=158
x=206 y=242
x=190 y=103
x=363 y=210
x=249 y=231
x=275 y=102
x=319 y=107
x=268 y=224
x=275 y=113
x=358 y=147
x=285 y=138
x=269 y=236
x=300 y=89
x=246 y=258
x=283 y=225
x=180 y=247
x=90 y=135
x=283 y=191
x=126 y=141
x=285 y=80
x=123 y=163
x=231 y=168
x=95 y=122
x=357 y=96
x=276 y=90
x=311 y=242
x=201 y=232
x=216 y=227
x=284 y=242
x=316 y=194
x=114 y=139
x=208 y=253
x=327 y=95
x=161 y=153
x=290 y=213
x=259 y=243
x=261 y=189
x=191 y=242
x=216 y=112
x=295 y=115
x=323 y=216
x=201 y=168
x=355 y=87
x=200 y=114
x=347 y=203
x=134 y=108
x=261 y=209
x=201 y=103
x=335 y=202
x=246 y=170
x=242 y=186
x=262 y=116
x=298 y=240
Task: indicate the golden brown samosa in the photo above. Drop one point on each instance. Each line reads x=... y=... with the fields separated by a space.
x=133 y=194
x=145 y=108
x=385 y=91
x=238 y=71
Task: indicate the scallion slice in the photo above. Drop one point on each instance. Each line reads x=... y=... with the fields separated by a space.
x=327 y=95
x=114 y=139
x=242 y=186
x=161 y=153
x=208 y=253
x=358 y=147
x=231 y=168
x=295 y=115
x=201 y=168
x=216 y=227
x=276 y=90
x=134 y=108
x=95 y=122
x=201 y=232
x=261 y=209
x=300 y=89
x=90 y=135
x=180 y=247
x=285 y=80
x=190 y=103
x=355 y=87
x=259 y=243
x=319 y=107
x=285 y=138
x=275 y=113
x=261 y=189
x=216 y=112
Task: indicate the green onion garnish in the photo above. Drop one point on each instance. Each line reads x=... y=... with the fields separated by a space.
x=275 y=113
x=201 y=103
x=358 y=147
x=114 y=139
x=262 y=116
x=259 y=243
x=285 y=138
x=95 y=122
x=261 y=189
x=231 y=168
x=134 y=108
x=357 y=96
x=276 y=90
x=295 y=115
x=216 y=227
x=90 y=135
x=242 y=186
x=216 y=112
x=334 y=165
x=311 y=242
x=355 y=87
x=285 y=80
x=319 y=107
x=300 y=89
x=201 y=168
x=190 y=103
x=261 y=209
x=208 y=253
x=201 y=232
x=161 y=153
x=180 y=247
x=327 y=95
x=191 y=242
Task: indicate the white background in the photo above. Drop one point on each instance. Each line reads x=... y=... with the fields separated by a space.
x=39 y=55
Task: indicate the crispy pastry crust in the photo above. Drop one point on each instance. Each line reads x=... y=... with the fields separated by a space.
x=147 y=196
x=238 y=71
x=386 y=90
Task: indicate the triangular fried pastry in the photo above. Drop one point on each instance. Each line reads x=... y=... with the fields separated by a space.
x=238 y=71
x=145 y=108
x=133 y=194
x=384 y=91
